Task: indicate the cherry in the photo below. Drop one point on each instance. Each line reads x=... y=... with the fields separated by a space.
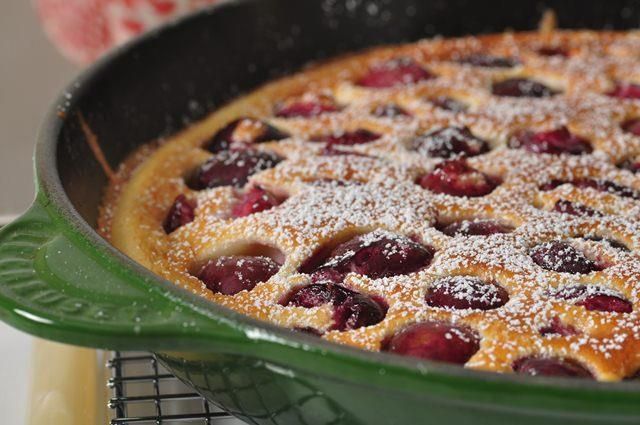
x=489 y=61
x=632 y=126
x=349 y=138
x=594 y=299
x=553 y=51
x=562 y=257
x=522 y=87
x=475 y=228
x=231 y=168
x=376 y=255
x=612 y=242
x=604 y=302
x=358 y=311
x=607 y=186
x=597 y=184
x=435 y=341
x=333 y=150
x=465 y=292
x=230 y=275
x=254 y=201
x=633 y=376
x=389 y=110
x=556 y=327
x=241 y=132
x=313 y=295
x=181 y=212
x=351 y=310
x=397 y=72
x=306 y=108
x=631 y=165
x=550 y=366
x=455 y=177
x=449 y=104
x=554 y=142
x=626 y=91
x=579 y=210
x=449 y=142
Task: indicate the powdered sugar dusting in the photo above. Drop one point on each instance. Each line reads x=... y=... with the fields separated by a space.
x=334 y=193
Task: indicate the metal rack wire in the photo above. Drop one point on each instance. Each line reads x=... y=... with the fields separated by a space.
x=143 y=392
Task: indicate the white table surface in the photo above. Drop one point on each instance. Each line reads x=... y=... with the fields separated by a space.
x=15 y=356
x=31 y=73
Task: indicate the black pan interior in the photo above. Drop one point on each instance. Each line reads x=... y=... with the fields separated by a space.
x=179 y=74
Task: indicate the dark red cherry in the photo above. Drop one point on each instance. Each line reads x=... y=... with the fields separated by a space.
x=389 y=110
x=310 y=296
x=550 y=185
x=376 y=255
x=553 y=51
x=556 y=327
x=358 y=311
x=555 y=142
x=255 y=200
x=594 y=299
x=475 y=228
x=489 y=61
x=306 y=108
x=612 y=242
x=241 y=132
x=455 y=177
x=562 y=257
x=230 y=275
x=633 y=376
x=231 y=168
x=599 y=185
x=607 y=186
x=335 y=150
x=181 y=212
x=351 y=310
x=449 y=142
x=394 y=73
x=465 y=292
x=632 y=165
x=567 y=207
x=605 y=302
x=550 y=366
x=349 y=138
x=435 y=341
x=448 y=104
x=626 y=91
x=522 y=87
x=632 y=126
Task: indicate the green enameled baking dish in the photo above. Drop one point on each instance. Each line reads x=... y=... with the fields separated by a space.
x=60 y=280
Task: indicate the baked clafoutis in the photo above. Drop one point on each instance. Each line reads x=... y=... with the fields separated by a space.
x=473 y=201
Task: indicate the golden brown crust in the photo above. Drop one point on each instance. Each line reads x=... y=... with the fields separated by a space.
x=315 y=215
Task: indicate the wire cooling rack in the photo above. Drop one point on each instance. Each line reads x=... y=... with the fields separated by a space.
x=144 y=392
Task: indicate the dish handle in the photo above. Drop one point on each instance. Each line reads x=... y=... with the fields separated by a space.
x=56 y=284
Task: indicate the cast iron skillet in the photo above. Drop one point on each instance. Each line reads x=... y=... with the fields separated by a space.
x=60 y=280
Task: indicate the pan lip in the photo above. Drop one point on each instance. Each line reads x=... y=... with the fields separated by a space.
x=49 y=185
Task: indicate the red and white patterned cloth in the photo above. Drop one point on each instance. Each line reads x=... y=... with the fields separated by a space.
x=84 y=29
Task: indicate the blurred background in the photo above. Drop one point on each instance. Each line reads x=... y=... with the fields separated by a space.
x=43 y=45
x=31 y=73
